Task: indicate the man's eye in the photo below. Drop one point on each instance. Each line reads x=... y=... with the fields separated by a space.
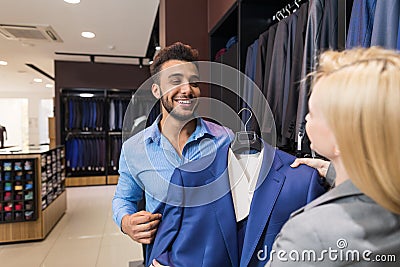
x=194 y=84
x=176 y=82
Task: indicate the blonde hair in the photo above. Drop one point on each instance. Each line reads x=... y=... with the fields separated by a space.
x=360 y=98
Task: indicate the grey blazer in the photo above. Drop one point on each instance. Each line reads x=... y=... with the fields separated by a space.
x=345 y=223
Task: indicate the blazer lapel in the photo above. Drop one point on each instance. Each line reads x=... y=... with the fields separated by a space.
x=262 y=204
x=223 y=207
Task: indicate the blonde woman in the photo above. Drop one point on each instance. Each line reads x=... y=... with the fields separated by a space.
x=353 y=120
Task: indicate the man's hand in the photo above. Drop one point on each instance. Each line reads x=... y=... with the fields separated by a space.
x=156 y=264
x=141 y=226
x=320 y=165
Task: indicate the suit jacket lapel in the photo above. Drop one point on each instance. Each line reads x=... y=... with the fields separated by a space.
x=262 y=204
x=223 y=207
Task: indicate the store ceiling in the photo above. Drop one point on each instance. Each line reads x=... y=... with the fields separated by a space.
x=122 y=27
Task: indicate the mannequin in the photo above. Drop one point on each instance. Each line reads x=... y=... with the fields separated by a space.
x=3 y=132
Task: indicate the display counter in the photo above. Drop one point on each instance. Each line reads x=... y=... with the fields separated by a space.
x=32 y=192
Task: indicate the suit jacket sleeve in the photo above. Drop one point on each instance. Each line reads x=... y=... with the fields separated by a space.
x=171 y=223
x=316 y=187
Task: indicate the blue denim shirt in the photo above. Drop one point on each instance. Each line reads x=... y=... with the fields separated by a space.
x=148 y=160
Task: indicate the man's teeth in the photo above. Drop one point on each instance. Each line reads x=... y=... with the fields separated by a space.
x=184 y=101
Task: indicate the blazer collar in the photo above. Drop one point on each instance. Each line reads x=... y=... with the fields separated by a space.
x=220 y=163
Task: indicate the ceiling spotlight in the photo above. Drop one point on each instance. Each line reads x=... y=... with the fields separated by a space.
x=158 y=48
x=88 y=35
x=49 y=85
x=72 y=1
x=3 y=63
x=37 y=80
x=151 y=62
x=86 y=95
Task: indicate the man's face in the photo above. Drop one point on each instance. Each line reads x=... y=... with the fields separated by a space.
x=179 y=89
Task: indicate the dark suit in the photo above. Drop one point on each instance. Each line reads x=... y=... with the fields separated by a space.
x=312 y=41
x=295 y=75
x=260 y=61
x=329 y=24
x=206 y=235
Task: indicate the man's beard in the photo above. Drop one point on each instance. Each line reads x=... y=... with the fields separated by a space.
x=169 y=107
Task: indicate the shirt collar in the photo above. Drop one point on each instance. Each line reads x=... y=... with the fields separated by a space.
x=201 y=130
x=153 y=133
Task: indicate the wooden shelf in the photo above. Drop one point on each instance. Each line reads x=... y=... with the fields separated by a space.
x=112 y=179
x=86 y=180
x=46 y=219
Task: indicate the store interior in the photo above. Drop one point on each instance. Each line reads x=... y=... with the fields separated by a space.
x=62 y=94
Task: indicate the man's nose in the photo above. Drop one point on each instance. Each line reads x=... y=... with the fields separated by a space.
x=185 y=88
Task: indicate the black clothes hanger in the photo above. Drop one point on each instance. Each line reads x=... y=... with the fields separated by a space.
x=246 y=141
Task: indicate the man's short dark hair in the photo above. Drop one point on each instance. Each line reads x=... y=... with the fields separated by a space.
x=176 y=51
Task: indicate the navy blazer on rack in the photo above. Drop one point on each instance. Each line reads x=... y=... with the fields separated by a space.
x=206 y=235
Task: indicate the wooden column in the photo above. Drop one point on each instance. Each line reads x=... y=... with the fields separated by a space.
x=187 y=22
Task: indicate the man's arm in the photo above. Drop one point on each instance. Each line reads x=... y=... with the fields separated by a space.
x=140 y=226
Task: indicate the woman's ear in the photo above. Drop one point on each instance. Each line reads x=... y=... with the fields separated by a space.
x=156 y=90
x=336 y=151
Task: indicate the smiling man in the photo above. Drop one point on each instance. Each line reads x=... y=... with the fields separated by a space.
x=149 y=158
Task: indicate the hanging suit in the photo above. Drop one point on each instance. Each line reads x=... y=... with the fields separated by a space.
x=260 y=61
x=111 y=119
x=206 y=235
x=250 y=71
x=265 y=64
x=274 y=92
x=329 y=24
x=386 y=24
x=361 y=24
x=312 y=41
x=289 y=129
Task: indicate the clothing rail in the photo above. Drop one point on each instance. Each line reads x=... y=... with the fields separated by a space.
x=287 y=10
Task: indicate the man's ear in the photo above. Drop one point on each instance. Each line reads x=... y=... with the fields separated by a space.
x=156 y=90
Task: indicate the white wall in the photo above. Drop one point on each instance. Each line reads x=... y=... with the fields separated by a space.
x=24 y=114
x=14 y=116
x=46 y=110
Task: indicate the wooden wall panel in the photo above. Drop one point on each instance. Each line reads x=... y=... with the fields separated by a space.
x=216 y=10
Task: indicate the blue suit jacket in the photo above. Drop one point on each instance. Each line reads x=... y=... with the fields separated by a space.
x=206 y=235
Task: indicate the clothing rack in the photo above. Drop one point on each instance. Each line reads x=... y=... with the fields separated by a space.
x=287 y=10
x=344 y=11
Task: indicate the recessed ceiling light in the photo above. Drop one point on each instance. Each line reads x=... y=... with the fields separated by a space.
x=88 y=34
x=72 y=1
x=49 y=85
x=3 y=63
x=37 y=80
x=86 y=95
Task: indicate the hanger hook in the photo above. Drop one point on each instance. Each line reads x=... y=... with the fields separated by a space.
x=251 y=115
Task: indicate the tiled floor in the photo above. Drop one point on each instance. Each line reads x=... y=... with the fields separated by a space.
x=85 y=236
